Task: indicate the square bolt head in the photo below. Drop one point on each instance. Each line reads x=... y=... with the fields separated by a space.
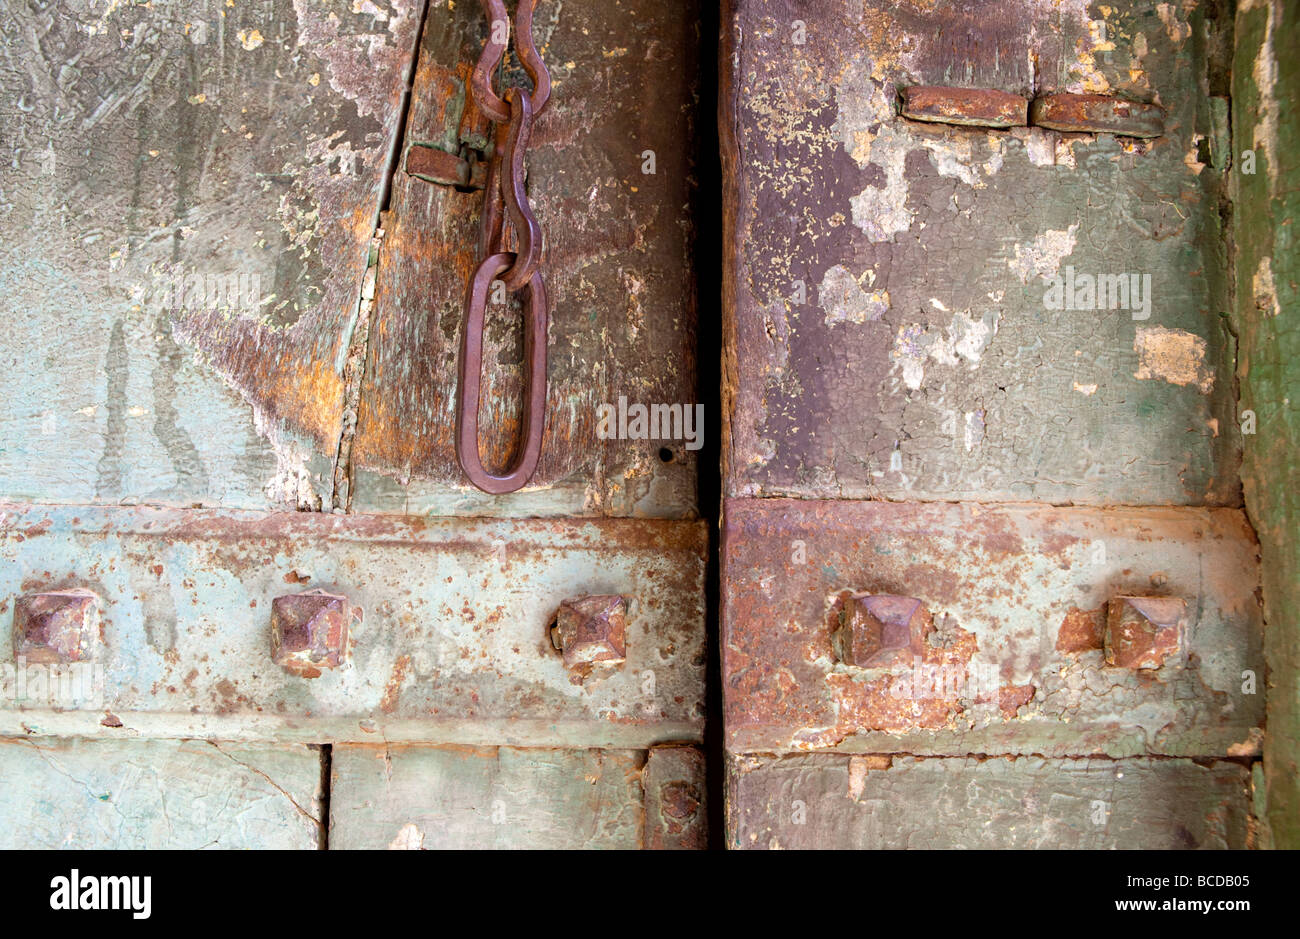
x=879 y=630
x=311 y=631
x=592 y=629
x=1141 y=632
x=55 y=627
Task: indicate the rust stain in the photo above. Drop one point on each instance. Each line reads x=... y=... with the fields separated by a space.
x=388 y=703
x=1081 y=630
x=1012 y=698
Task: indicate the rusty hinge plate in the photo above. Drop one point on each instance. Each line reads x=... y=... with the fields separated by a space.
x=448 y=622
x=1007 y=653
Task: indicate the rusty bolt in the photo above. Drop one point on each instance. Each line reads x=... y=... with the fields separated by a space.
x=679 y=804
x=675 y=798
x=879 y=629
x=976 y=107
x=311 y=631
x=1141 y=632
x=1092 y=114
x=59 y=626
x=591 y=629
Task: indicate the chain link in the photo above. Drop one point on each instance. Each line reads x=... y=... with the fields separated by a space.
x=505 y=199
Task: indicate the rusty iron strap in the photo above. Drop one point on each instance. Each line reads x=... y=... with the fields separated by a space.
x=505 y=197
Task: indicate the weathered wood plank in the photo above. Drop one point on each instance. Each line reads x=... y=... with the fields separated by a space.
x=428 y=797
x=617 y=267
x=185 y=221
x=148 y=794
x=890 y=331
x=874 y=802
x=1266 y=173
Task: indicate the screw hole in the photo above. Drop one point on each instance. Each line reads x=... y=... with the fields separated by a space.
x=665 y=455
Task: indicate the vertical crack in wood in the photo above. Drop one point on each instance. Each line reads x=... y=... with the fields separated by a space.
x=356 y=348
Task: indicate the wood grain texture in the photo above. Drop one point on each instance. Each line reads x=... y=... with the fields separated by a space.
x=189 y=197
x=617 y=267
x=889 y=334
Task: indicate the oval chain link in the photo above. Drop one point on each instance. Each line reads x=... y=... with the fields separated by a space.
x=506 y=199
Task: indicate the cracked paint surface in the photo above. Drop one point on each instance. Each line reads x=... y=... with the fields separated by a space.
x=1266 y=74
x=1027 y=803
x=1012 y=665
x=618 y=268
x=193 y=192
x=151 y=794
x=838 y=392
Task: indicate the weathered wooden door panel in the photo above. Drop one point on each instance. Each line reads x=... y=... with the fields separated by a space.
x=909 y=343
x=1266 y=127
x=425 y=797
x=188 y=203
x=890 y=286
x=617 y=268
x=804 y=802
x=232 y=297
x=186 y=794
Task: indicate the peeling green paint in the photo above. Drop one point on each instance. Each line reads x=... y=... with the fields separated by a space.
x=1266 y=132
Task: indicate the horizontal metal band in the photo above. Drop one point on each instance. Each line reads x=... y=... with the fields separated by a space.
x=1022 y=639
x=448 y=637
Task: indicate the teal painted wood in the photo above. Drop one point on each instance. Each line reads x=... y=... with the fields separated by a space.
x=452 y=645
x=185 y=223
x=867 y=802
x=148 y=794
x=428 y=797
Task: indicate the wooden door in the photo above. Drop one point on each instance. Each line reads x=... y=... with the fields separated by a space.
x=227 y=416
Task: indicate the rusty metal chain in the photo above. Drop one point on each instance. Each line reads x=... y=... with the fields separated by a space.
x=505 y=199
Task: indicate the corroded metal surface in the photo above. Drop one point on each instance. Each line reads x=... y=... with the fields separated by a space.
x=311 y=631
x=1012 y=657
x=676 y=810
x=56 y=626
x=874 y=802
x=189 y=197
x=979 y=107
x=893 y=327
x=617 y=264
x=592 y=631
x=1093 y=114
x=447 y=169
x=453 y=644
x=1143 y=632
